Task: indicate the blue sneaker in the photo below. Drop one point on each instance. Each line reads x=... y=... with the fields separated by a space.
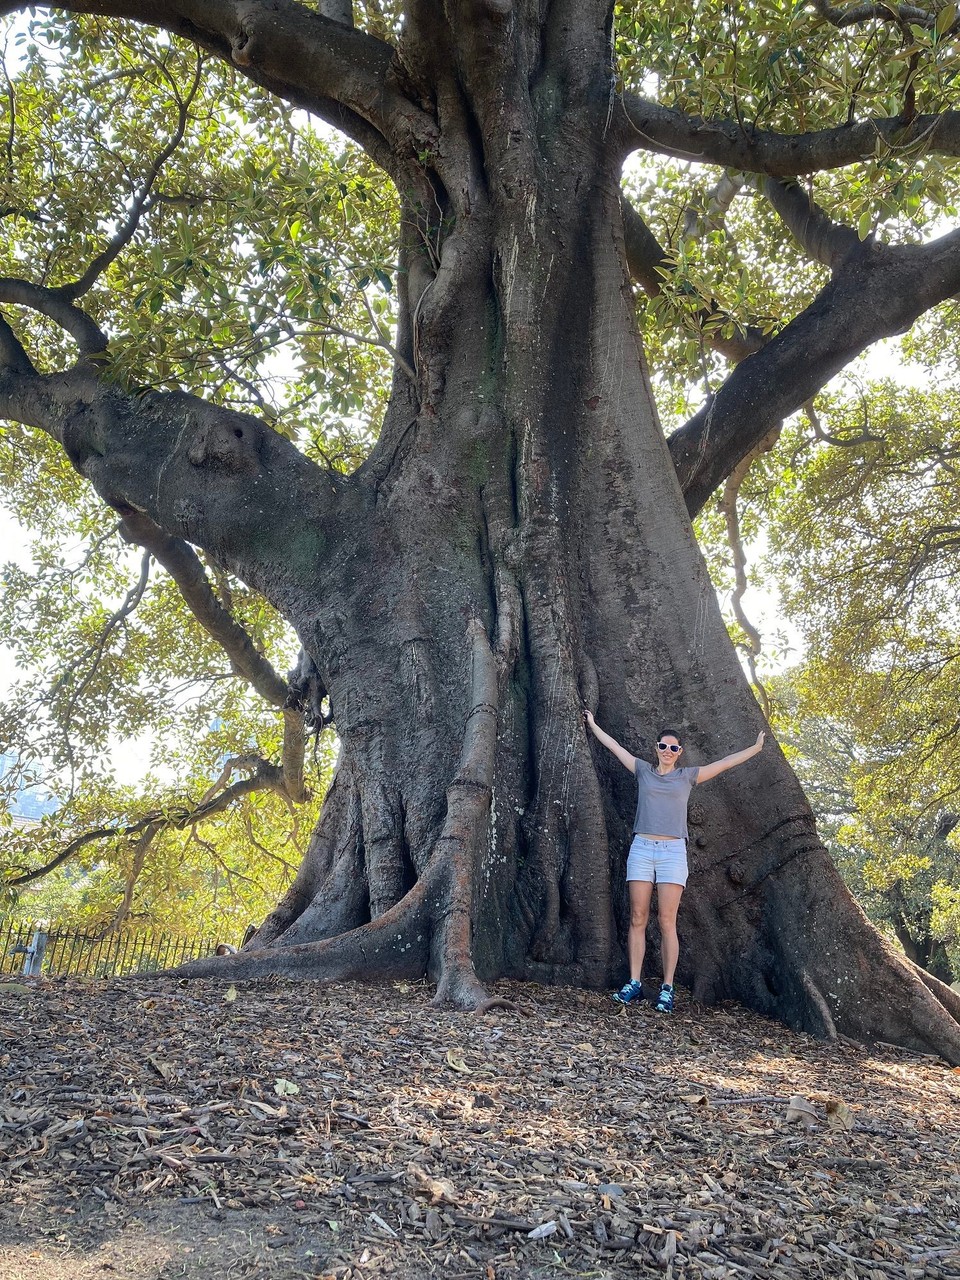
x=664 y=1002
x=629 y=993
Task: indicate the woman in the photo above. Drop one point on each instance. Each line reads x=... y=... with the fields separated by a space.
x=658 y=854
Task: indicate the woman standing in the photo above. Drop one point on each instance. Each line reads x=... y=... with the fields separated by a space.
x=658 y=854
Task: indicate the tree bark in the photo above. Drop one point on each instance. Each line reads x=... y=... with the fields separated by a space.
x=517 y=546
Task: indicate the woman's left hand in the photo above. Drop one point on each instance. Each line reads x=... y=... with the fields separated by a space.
x=760 y=738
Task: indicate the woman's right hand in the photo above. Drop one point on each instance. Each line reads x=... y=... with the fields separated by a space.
x=588 y=717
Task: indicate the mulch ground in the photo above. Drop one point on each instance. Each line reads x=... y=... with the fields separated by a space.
x=159 y=1129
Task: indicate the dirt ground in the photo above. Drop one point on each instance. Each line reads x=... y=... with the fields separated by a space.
x=159 y=1129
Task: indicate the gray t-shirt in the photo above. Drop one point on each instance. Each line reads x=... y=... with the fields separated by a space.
x=662 y=800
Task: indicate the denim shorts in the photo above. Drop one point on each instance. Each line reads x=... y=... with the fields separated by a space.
x=657 y=861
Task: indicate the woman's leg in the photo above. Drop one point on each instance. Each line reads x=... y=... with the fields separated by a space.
x=668 y=903
x=641 y=892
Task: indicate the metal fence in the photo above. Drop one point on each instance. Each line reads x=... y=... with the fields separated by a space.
x=56 y=950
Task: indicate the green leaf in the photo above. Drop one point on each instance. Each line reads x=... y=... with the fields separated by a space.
x=945 y=19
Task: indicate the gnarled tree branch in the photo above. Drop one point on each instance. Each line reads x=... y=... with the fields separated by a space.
x=183 y=564
x=878 y=291
x=56 y=305
x=220 y=479
x=648 y=126
x=818 y=235
x=318 y=63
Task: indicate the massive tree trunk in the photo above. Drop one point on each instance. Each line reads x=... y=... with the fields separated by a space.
x=516 y=547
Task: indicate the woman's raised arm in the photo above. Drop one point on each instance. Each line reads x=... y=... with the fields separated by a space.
x=708 y=771
x=623 y=755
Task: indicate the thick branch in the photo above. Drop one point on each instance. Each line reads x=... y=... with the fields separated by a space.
x=728 y=506
x=877 y=292
x=220 y=479
x=341 y=74
x=648 y=126
x=12 y=354
x=856 y=14
x=818 y=235
x=56 y=305
x=183 y=564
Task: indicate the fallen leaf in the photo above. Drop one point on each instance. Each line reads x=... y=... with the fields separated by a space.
x=230 y=995
x=799 y=1109
x=265 y=1109
x=439 y=1189
x=839 y=1115
x=455 y=1060
x=698 y=1099
x=285 y=1087
x=163 y=1069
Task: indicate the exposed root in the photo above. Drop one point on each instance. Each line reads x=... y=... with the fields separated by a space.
x=946 y=995
x=465 y=831
x=815 y=995
x=497 y=1002
x=397 y=945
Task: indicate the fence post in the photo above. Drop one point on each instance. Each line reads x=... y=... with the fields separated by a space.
x=33 y=956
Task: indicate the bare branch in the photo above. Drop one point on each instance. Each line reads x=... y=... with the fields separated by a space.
x=728 y=506
x=380 y=341
x=94 y=652
x=648 y=126
x=843 y=442
x=266 y=778
x=699 y=222
x=289 y=868
x=294 y=750
x=139 y=205
x=140 y=851
x=183 y=564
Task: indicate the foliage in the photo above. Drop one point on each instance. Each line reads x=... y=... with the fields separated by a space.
x=238 y=279
x=896 y=849
x=863 y=551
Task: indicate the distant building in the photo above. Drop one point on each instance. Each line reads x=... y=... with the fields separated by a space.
x=31 y=801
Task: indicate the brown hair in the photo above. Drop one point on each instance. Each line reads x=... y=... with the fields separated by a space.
x=673 y=734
